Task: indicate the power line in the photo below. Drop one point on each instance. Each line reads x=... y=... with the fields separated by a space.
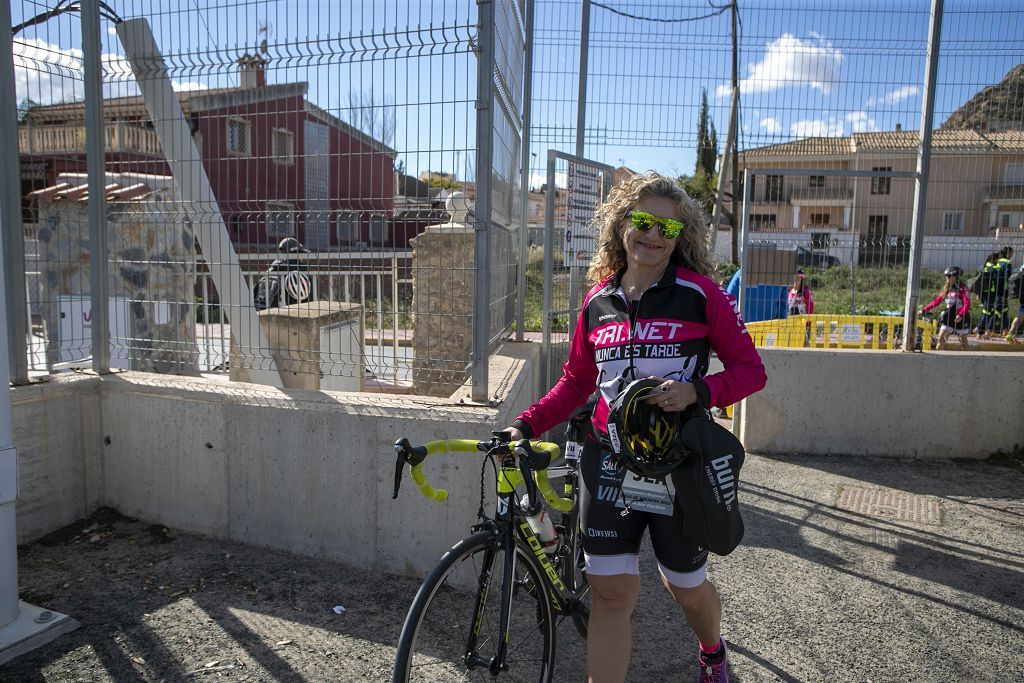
x=721 y=10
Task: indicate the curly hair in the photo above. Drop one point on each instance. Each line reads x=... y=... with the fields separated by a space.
x=692 y=248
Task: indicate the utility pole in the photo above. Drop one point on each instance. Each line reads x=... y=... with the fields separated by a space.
x=729 y=156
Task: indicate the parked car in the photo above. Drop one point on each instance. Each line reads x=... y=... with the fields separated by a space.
x=815 y=259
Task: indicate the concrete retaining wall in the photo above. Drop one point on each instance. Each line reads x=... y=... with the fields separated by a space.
x=309 y=472
x=934 y=405
x=312 y=472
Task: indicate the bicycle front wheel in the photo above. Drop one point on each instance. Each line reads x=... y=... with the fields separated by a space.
x=453 y=628
x=572 y=571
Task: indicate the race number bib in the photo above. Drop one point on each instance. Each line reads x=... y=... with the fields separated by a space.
x=573 y=450
x=647 y=495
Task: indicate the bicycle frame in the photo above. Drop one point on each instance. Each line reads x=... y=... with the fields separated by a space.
x=508 y=525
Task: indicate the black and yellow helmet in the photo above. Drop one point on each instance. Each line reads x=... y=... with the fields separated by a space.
x=643 y=435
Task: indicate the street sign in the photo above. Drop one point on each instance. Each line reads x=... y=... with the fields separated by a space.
x=584 y=191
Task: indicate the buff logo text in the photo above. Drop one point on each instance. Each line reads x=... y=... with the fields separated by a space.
x=725 y=478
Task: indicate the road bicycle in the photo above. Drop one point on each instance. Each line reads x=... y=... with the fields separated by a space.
x=494 y=602
x=285 y=282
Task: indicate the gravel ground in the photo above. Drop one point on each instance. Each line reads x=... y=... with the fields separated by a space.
x=926 y=586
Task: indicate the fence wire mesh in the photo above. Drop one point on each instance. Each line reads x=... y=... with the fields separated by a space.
x=330 y=137
x=834 y=89
x=350 y=127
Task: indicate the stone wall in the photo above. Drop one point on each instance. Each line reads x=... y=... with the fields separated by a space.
x=442 y=304
x=151 y=249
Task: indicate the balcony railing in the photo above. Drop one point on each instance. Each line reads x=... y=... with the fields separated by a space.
x=119 y=137
x=809 y=227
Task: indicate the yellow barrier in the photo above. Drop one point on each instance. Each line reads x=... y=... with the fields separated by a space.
x=836 y=331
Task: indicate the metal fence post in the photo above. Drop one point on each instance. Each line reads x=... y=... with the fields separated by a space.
x=482 y=210
x=581 y=100
x=524 y=236
x=96 y=166
x=549 y=264
x=924 y=155
x=13 y=232
x=744 y=239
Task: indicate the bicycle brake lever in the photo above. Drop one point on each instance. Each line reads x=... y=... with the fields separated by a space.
x=399 y=464
x=406 y=455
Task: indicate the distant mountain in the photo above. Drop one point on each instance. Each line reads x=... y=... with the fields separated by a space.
x=997 y=107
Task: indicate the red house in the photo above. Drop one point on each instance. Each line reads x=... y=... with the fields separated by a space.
x=279 y=165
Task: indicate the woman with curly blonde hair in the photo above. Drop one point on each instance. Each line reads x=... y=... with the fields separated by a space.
x=653 y=312
x=691 y=249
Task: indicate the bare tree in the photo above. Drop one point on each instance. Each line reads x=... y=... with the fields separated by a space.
x=373 y=116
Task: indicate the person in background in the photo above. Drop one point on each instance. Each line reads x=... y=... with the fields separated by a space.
x=1017 y=326
x=956 y=316
x=800 y=301
x=733 y=288
x=1001 y=284
x=653 y=312
x=987 y=289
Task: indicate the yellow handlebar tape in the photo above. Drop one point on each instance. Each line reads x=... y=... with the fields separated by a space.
x=469 y=446
x=425 y=488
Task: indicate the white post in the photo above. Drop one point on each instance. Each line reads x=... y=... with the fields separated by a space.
x=23 y=627
x=194 y=186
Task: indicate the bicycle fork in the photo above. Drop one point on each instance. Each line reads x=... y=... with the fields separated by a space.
x=502 y=528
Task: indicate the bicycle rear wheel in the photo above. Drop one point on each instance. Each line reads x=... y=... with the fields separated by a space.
x=437 y=638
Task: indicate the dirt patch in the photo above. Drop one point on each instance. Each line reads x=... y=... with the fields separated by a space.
x=158 y=605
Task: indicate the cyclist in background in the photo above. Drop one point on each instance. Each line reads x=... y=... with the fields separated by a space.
x=653 y=312
x=1003 y=270
x=956 y=317
x=799 y=300
x=987 y=293
x=1017 y=326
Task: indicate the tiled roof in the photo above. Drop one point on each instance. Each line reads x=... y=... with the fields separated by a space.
x=894 y=141
x=115 y=192
x=802 y=147
x=189 y=100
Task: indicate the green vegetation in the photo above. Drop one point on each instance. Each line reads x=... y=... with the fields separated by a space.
x=382 y=315
x=869 y=291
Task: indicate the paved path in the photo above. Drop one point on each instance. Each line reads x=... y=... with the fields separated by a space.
x=853 y=569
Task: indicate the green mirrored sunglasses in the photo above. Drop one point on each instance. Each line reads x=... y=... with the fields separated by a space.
x=643 y=221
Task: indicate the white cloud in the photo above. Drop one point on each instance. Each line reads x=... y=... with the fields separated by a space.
x=860 y=122
x=47 y=74
x=895 y=96
x=180 y=86
x=539 y=179
x=790 y=61
x=771 y=124
x=818 y=128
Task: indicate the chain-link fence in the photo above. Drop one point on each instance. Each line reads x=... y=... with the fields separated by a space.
x=349 y=130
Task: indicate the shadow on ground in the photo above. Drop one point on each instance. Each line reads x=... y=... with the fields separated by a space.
x=808 y=596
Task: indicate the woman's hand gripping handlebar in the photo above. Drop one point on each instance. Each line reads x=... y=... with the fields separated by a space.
x=533 y=460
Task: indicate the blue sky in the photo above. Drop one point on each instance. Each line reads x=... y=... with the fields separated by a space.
x=810 y=68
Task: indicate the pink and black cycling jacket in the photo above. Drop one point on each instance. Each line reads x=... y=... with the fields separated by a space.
x=675 y=326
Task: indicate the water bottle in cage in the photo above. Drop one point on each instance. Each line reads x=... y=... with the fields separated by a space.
x=541 y=525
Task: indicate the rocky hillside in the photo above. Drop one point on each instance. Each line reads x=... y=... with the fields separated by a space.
x=997 y=107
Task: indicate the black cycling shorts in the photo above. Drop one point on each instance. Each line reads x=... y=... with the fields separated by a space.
x=606 y=531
